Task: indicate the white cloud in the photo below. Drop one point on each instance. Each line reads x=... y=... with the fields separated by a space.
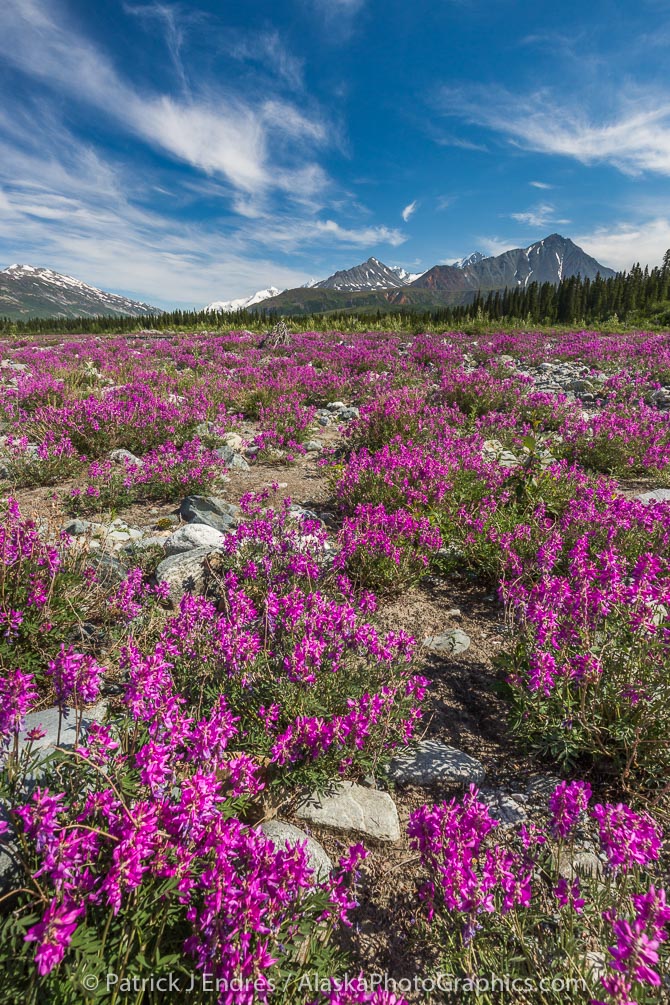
x=217 y=132
x=173 y=20
x=496 y=245
x=623 y=244
x=291 y=234
x=635 y=139
x=543 y=215
x=541 y=184
x=445 y=201
x=409 y=210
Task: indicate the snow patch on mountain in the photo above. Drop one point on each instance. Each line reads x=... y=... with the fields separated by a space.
x=473 y=259
x=33 y=290
x=242 y=303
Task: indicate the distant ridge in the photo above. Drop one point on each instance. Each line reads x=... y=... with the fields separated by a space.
x=374 y=285
x=27 y=291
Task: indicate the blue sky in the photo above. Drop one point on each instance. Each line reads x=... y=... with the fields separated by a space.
x=187 y=152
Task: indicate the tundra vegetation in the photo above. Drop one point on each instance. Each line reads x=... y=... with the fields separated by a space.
x=208 y=551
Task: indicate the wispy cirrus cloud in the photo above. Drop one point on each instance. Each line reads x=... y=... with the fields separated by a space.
x=634 y=137
x=541 y=184
x=218 y=132
x=409 y=210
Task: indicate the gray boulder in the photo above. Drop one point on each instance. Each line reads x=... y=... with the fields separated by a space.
x=508 y=809
x=125 y=457
x=431 y=762
x=193 y=535
x=285 y=835
x=351 y=807
x=184 y=573
x=452 y=643
x=48 y=720
x=210 y=510
x=654 y=496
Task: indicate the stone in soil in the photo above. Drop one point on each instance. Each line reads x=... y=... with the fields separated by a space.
x=184 y=573
x=109 y=570
x=193 y=535
x=654 y=496
x=209 y=510
x=125 y=457
x=231 y=459
x=540 y=787
x=48 y=720
x=452 y=643
x=285 y=835
x=351 y=807
x=508 y=809
x=432 y=762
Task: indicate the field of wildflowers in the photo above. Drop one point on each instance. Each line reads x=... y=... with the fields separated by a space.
x=231 y=656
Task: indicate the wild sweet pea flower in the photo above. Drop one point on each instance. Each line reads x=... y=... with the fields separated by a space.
x=53 y=934
x=76 y=678
x=567 y=803
x=567 y=894
x=450 y=840
x=635 y=955
x=357 y=992
x=17 y=696
x=627 y=838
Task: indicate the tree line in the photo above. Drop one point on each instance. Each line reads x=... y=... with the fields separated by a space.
x=640 y=296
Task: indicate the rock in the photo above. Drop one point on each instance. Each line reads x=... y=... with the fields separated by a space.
x=234 y=441
x=119 y=537
x=238 y=463
x=335 y=406
x=312 y=446
x=184 y=573
x=578 y=862
x=349 y=413
x=109 y=570
x=125 y=457
x=193 y=535
x=285 y=835
x=452 y=643
x=540 y=787
x=205 y=429
x=508 y=460
x=654 y=496
x=209 y=510
x=432 y=761
x=352 y=807
x=508 y=809
x=48 y=720
x=226 y=454
x=143 y=544
x=76 y=528
x=323 y=421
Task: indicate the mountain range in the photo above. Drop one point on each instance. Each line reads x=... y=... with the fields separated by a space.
x=547 y=261
x=30 y=292
x=27 y=291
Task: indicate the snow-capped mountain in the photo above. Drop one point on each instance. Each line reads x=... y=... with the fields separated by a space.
x=370 y=275
x=226 y=306
x=29 y=291
x=473 y=259
x=547 y=261
x=407 y=277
